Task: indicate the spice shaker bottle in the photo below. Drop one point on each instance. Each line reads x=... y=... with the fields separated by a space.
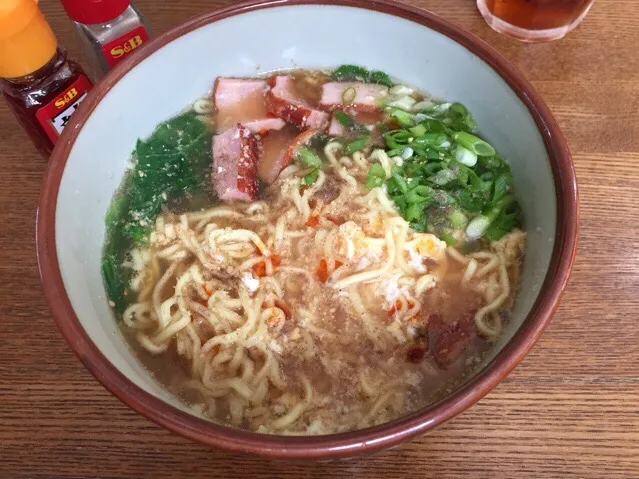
x=41 y=86
x=108 y=30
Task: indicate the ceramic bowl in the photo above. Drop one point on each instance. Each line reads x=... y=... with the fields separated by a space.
x=248 y=38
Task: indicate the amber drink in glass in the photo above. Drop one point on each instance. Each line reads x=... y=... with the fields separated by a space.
x=534 y=20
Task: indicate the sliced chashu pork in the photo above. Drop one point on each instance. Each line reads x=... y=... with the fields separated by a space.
x=235 y=160
x=278 y=153
x=241 y=100
x=283 y=101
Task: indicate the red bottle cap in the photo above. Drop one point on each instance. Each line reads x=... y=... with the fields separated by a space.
x=94 y=11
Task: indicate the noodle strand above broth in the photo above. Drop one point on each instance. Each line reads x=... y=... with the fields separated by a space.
x=320 y=303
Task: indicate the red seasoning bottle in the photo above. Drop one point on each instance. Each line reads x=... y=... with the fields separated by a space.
x=40 y=85
x=108 y=30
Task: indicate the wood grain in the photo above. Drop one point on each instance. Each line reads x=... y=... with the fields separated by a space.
x=571 y=409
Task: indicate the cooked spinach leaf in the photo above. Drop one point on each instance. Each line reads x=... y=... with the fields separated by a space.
x=172 y=164
x=361 y=74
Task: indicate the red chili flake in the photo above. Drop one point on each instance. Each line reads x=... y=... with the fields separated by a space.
x=312 y=221
x=259 y=269
x=397 y=307
x=284 y=307
x=276 y=260
x=334 y=219
x=322 y=271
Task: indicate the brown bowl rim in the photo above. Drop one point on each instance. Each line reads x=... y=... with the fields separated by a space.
x=350 y=443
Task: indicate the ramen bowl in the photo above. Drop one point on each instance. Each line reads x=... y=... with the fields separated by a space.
x=245 y=39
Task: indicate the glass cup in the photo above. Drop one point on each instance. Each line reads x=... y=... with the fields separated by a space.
x=534 y=20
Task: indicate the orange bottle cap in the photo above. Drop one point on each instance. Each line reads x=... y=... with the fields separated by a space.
x=27 y=42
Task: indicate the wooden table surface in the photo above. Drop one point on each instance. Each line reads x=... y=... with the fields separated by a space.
x=571 y=409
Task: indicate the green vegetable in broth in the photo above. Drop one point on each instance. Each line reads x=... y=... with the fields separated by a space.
x=308 y=158
x=311 y=177
x=357 y=73
x=376 y=176
x=171 y=165
x=345 y=120
x=356 y=145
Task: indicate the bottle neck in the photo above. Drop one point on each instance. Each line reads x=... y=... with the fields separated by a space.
x=41 y=73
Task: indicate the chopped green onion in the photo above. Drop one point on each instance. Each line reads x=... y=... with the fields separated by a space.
x=344 y=119
x=308 y=157
x=400 y=202
x=404 y=118
x=376 y=176
x=431 y=168
x=474 y=144
x=492 y=162
x=373 y=182
x=448 y=180
x=471 y=202
x=419 y=152
x=418 y=130
x=427 y=139
x=355 y=145
x=400 y=181
x=414 y=212
x=348 y=95
x=422 y=105
x=505 y=221
x=397 y=139
x=404 y=103
x=500 y=186
x=459 y=108
x=478 y=226
x=377 y=170
x=310 y=178
x=401 y=90
x=448 y=238
x=435 y=126
x=407 y=153
x=457 y=219
x=419 y=226
x=465 y=156
x=432 y=154
x=438 y=108
x=419 y=194
x=443 y=177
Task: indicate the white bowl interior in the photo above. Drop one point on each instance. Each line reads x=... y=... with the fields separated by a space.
x=260 y=41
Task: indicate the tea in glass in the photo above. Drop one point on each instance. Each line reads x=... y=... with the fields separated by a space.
x=534 y=20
